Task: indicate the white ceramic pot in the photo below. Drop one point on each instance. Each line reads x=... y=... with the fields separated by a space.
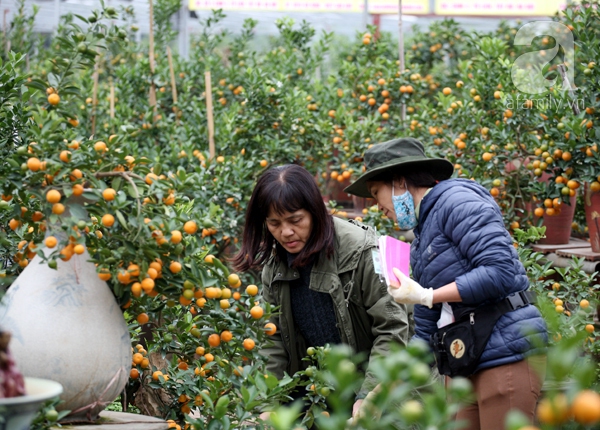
x=66 y=326
x=16 y=413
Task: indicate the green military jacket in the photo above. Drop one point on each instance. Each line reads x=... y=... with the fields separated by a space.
x=367 y=317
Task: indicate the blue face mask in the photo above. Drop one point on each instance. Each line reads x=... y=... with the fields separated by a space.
x=404 y=206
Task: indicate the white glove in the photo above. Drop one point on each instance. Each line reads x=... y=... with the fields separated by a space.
x=410 y=291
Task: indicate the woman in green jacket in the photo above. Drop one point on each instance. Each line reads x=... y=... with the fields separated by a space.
x=319 y=270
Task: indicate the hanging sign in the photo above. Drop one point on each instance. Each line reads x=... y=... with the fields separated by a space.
x=498 y=7
x=409 y=7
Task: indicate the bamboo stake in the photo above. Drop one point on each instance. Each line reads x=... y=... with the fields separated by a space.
x=173 y=84
x=95 y=94
x=172 y=73
x=6 y=42
x=401 y=50
x=209 y=116
x=152 y=98
x=112 y=100
x=567 y=85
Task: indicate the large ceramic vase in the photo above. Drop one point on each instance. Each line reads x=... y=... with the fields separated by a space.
x=592 y=216
x=67 y=327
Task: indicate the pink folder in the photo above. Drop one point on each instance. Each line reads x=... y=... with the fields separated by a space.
x=394 y=254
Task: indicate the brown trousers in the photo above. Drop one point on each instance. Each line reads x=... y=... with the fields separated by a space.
x=502 y=389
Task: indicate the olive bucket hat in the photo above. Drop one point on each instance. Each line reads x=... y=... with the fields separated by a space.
x=396 y=154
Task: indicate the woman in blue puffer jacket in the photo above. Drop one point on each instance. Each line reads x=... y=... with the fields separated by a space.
x=462 y=256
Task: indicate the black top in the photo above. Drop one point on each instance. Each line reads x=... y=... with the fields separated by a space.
x=312 y=311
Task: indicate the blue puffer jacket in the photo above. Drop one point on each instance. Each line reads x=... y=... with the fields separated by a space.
x=461 y=237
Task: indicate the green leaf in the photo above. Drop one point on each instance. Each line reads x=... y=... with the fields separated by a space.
x=81 y=18
x=116 y=183
x=245 y=395
x=74 y=91
x=132 y=191
x=261 y=384
x=284 y=417
x=221 y=406
x=78 y=211
x=36 y=83
x=206 y=280
x=271 y=382
x=91 y=196
x=121 y=219
x=13 y=163
x=226 y=423
x=118 y=288
x=53 y=80
x=214 y=425
x=63 y=414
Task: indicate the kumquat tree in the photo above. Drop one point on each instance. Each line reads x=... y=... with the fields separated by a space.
x=105 y=154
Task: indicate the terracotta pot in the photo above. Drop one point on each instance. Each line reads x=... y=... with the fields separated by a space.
x=67 y=327
x=335 y=191
x=523 y=209
x=518 y=165
x=558 y=227
x=362 y=202
x=592 y=216
x=511 y=166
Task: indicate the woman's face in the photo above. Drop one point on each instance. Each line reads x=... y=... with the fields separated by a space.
x=291 y=229
x=382 y=193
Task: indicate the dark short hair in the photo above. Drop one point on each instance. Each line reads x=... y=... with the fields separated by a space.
x=287 y=188
x=413 y=176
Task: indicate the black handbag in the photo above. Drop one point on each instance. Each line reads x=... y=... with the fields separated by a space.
x=458 y=346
